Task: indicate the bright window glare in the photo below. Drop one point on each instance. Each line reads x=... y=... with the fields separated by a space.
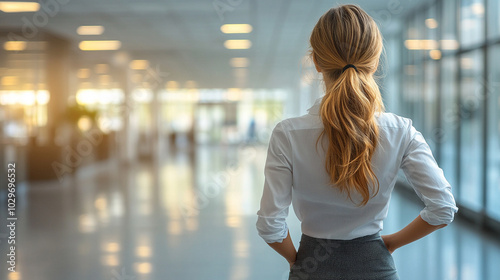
x=99 y=96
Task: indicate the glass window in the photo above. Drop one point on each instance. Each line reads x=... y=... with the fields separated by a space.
x=493 y=158
x=472 y=22
x=418 y=97
x=430 y=103
x=493 y=19
x=446 y=135
x=390 y=88
x=410 y=92
x=414 y=77
x=471 y=108
x=432 y=23
x=430 y=100
x=448 y=42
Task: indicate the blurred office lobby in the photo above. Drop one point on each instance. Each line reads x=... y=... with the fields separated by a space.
x=139 y=132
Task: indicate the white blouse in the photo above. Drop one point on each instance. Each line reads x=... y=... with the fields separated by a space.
x=295 y=173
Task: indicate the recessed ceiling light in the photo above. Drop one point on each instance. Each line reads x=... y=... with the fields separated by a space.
x=435 y=54
x=19 y=7
x=25 y=45
x=103 y=45
x=143 y=268
x=90 y=30
x=236 y=28
x=139 y=64
x=431 y=23
x=238 y=44
x=421 y=44
x=14 y=46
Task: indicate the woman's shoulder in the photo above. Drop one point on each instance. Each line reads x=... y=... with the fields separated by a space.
x=306 y=121
x=389 y=119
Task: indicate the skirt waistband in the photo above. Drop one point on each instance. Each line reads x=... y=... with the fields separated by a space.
x=366 y=238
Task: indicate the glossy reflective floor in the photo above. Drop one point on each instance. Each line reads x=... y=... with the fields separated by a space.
x=192 y=216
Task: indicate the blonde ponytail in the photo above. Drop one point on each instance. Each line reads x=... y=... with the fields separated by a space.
x=348 y=36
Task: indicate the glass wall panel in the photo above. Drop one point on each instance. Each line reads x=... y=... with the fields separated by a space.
x=414 y=72
x=430 y=103
x=446 y=135
x=443 y=82
x=493 y=155
x=430 y=100
x=409 y=91
x=391 y=75
x=471 y=22
x=448 y=40
x=493 y=19
x=471 y=110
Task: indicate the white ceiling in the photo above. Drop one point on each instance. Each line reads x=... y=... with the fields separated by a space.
x=183 y=37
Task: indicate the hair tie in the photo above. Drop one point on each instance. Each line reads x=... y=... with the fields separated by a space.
x=349 y=66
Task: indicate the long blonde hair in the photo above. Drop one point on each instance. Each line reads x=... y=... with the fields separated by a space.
x=348 y=35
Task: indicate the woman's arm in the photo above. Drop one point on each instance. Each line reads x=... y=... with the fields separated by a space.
x=417 y=229
x=277 y=195
x=428 y=180
x=286 y=249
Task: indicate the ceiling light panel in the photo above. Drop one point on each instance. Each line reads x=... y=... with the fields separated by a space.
x=103 y=45
x=19 y=7
x=237 y=44
x=90 y=30
x=236 y=28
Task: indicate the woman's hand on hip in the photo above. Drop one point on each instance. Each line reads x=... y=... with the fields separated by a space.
x=388 y=243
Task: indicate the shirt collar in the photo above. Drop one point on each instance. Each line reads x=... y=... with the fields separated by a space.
x=314 y=110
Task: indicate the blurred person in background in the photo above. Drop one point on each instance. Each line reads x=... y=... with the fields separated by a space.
x=252 y=137
x=338 y=164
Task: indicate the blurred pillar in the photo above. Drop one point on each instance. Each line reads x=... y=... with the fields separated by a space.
x=44 y=160
x=156 y=143
x=127 y=145
x=58 y=69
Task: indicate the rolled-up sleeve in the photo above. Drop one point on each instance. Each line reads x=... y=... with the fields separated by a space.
x=277 y=194
x=427 y=179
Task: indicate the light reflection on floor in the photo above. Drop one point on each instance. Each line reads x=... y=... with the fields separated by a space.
x=193 y=217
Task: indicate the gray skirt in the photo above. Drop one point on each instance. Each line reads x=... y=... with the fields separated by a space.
x=364 y=258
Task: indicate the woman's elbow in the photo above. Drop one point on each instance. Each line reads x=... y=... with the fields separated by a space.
x=441 y=226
